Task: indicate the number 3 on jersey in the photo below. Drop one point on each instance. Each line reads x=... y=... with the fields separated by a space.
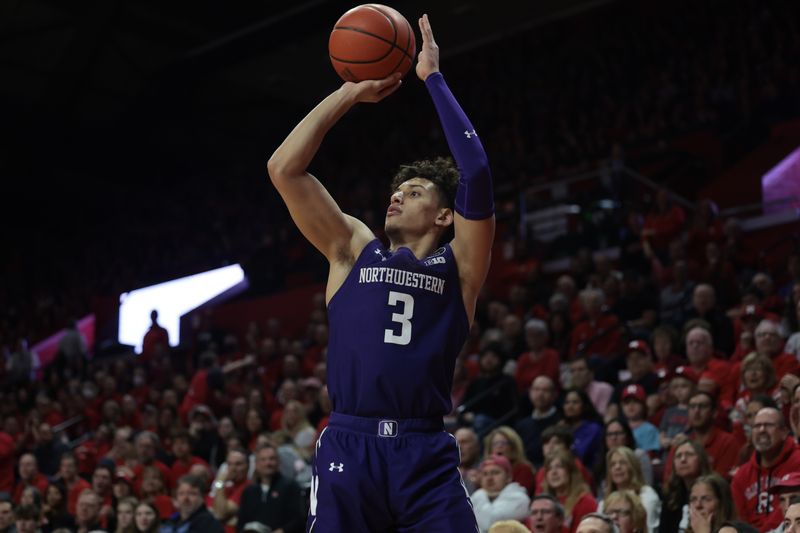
x=405 y=302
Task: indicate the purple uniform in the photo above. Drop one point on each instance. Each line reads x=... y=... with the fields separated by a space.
x=385 y=463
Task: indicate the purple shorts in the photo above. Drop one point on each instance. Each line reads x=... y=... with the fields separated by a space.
x=383 y=475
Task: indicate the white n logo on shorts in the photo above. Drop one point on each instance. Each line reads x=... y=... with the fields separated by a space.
x=387 y=428
x=338 y=468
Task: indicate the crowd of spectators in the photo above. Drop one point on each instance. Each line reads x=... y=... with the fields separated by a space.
x=660 y=389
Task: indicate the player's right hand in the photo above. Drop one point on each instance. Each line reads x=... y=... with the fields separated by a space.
x=373 y=91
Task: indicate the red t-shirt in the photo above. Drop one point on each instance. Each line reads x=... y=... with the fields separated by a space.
x=527 y=369
x=163 y=503
x=197 y=393
x=39 y=482
x=586 y=504
x=74 y=493
x=605 y=332
x=181 y=468
x=6 y=462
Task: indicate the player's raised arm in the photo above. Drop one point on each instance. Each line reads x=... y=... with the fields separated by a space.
x=474 y=218
x=314 y=211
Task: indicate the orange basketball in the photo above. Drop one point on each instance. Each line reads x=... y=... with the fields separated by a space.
x=371 y=42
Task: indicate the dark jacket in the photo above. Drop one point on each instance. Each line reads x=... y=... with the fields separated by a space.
x=201 y=521
x=282 y=506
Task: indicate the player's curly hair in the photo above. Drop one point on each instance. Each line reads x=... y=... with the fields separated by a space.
x=442 y=172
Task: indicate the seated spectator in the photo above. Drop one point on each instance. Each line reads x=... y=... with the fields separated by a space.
x=625 y=509
x=87 y=514
x=634 y=407
x=123 y=483
x=704 y=306
x=271 y=499
x=499 y=498
x=539 y=360
x=584 y=423
x=146 y=518
x=624 y=473
x=756 y=377
x=563 y=481
x=788 y=491
x=710 y=504
x=75 y=484
x=597 y=523
x=793 y=344
x=48 y=449
x=193 y=517
x=492 y=395
x=791 y=519
x=31 y=496
x=228 y=495
x=6 y=513
x=508 y=526
x=581 y=377
x=689 y=462
x=776 y=454
x=547 y=515
x=559 y=437
x=722 y=447
x=618 y=433
x=469 y=447
x=147 y=445
x=295 y=423
x=542 y=394
x=675 y=420
x=126 y=509
x=743 y=431
x=506 y=442
x=29 y=476
x=769 y=343
x=54 y=507
x=153 y=491
x=102 y=479
x=641 y=370
x=699 y=352
x=599 y=333
x=182 y=450
x=751 y=315
x=27 y=519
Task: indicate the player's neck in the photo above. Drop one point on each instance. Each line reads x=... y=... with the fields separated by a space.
x=420 y=247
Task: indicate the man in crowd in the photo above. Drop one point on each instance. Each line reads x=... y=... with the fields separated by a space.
x=704 y=305
x=147 y=443
x=699 y=352
x=597 y=523
x=271 y=499
x=182 y=450
x=542 y=394
x=228 y=495
x=721 y=446
x=791 y=521
x=87 y=513
x=547 y=515
x=48 y=449
x=68 y=474
x=29 y=476
x=775 y=456
x=600 y=333
x=770 y=344
x=787 y=489
x=6 y=514
x=470 y=448
x=582 y=378
x=28 y=519
x=499 y=498
x=193 y=516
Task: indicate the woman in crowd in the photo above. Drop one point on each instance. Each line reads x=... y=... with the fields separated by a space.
x=153 y=491
x=582 y=419
x=505 y=441
x=618 y=433
x=625 y=509
x=689 y=462
x=54 y=509
x=756 y=377
x=295 y=422
x=563 y=480
x=710 y=505
x=126 y=508
x=146 y=518
x=624 y=473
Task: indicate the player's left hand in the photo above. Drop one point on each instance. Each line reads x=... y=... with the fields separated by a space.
x=428 y=58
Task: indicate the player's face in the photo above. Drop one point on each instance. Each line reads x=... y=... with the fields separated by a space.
x=413 y=206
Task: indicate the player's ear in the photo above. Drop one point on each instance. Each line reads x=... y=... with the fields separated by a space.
x=445 y=217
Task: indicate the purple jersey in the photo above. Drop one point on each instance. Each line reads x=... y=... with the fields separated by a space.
x=397 y=325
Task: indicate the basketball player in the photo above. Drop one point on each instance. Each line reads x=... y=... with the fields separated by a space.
x=398 y=318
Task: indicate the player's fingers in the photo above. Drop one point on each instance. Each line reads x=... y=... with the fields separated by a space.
x=386 y=91
x=428 y=32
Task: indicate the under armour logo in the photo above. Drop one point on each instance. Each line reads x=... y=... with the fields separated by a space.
x=471 y=134
x=338 y=468
x=387 y=428
x=380 y=254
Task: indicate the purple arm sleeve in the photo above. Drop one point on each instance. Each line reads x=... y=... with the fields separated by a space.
x=474 y=196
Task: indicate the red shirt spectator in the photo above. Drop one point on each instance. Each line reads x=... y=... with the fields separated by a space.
x=6 y=462
x=599 y=334
x=539 y=359
x=29 y=476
